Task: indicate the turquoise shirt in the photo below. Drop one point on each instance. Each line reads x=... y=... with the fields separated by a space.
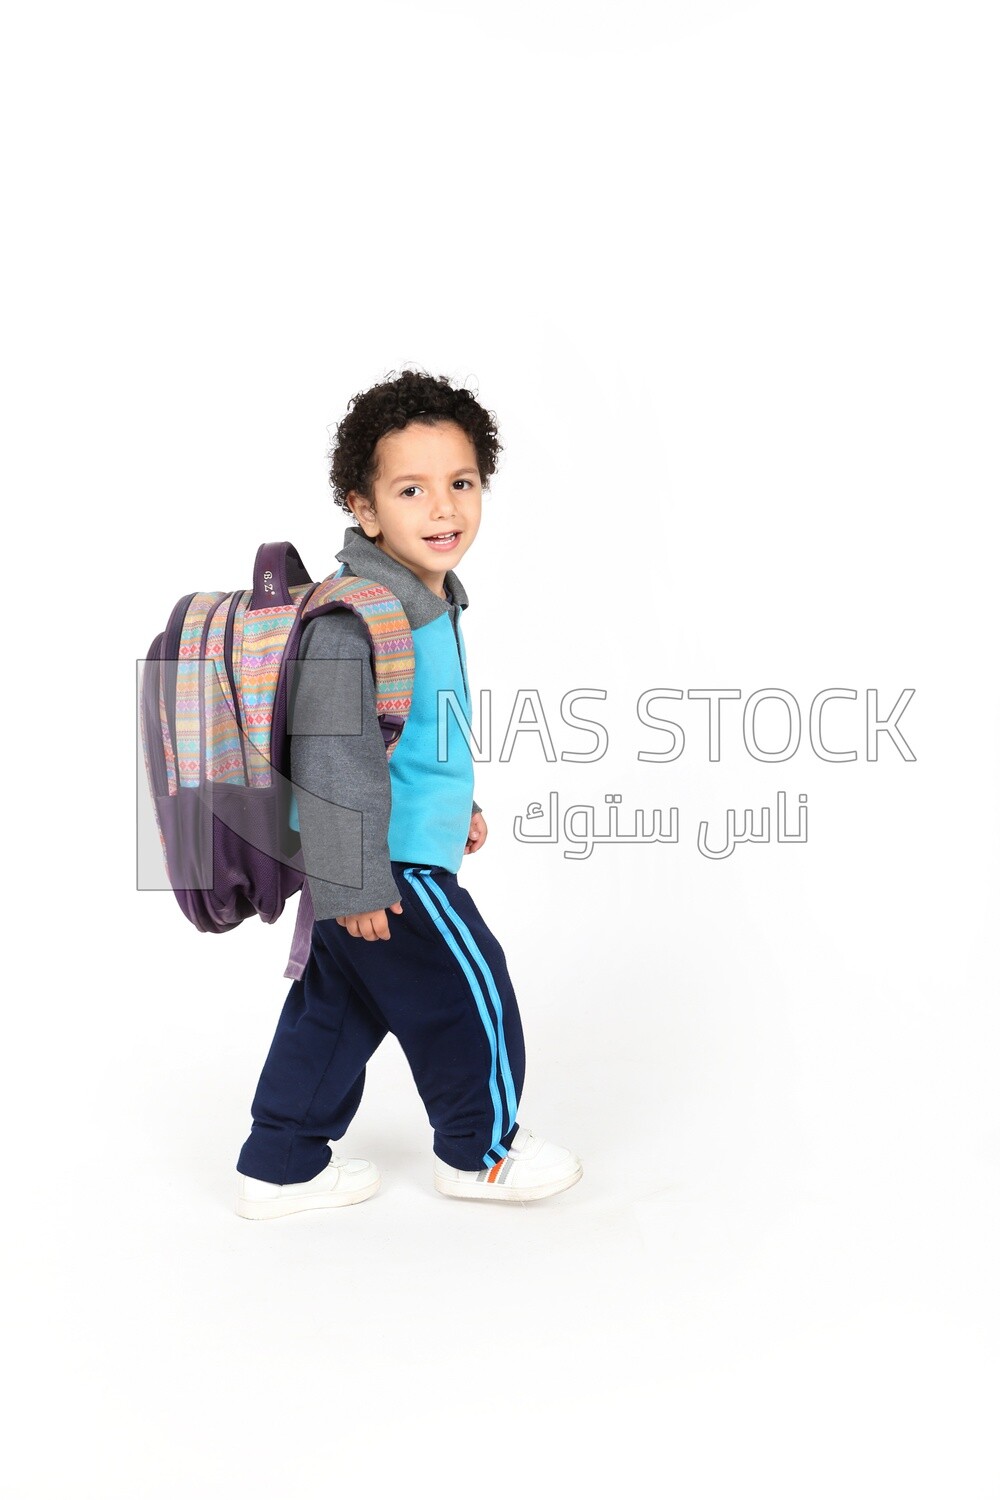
x=432 y=786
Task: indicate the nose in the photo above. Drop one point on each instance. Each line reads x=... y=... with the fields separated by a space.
x=443 y=505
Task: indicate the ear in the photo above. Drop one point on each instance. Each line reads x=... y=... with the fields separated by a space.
x=363 y=512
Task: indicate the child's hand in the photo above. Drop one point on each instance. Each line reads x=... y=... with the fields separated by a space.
x=477 y=834
x=370 y=925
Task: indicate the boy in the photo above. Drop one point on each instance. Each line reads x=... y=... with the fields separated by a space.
x=408 y=951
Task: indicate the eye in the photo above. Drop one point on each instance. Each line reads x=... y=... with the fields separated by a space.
x=409 y=487
x=464 y=481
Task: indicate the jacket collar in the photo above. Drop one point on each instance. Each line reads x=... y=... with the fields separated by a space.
x=420 y=604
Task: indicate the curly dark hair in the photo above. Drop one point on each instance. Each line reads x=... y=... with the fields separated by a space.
x=388 y=407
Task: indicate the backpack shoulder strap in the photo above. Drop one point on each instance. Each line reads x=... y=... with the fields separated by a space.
x=391 y=640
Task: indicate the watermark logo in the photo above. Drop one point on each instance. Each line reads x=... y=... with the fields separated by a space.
x=199 y=750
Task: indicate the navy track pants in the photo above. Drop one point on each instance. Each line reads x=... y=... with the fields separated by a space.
x=440 y=984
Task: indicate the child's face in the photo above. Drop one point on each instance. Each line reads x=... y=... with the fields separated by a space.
x=428 y=484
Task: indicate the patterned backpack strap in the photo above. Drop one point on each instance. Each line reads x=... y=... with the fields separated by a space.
x=392 y=643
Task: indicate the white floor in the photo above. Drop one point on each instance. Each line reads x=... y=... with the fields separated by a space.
x=743 y=1292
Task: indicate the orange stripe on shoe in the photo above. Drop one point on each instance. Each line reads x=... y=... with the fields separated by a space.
x=492 y=1177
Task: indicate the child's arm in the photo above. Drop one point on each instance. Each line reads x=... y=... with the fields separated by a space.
x=340 y=772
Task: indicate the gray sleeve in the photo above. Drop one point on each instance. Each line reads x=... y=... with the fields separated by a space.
x=339 y=769
x=475 y=806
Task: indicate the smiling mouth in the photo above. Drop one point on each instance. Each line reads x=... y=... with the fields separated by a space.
x=443 y=536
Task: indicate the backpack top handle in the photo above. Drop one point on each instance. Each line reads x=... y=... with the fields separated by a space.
x=277 y=569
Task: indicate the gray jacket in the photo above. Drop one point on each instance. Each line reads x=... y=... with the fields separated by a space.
x=337 y=749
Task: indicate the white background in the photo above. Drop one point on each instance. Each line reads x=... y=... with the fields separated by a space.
x=727 y=276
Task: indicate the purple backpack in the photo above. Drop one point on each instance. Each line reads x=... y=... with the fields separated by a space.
x=215 y=689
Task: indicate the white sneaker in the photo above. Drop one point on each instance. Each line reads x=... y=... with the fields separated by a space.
x=532 y=1168
x=340 y=1182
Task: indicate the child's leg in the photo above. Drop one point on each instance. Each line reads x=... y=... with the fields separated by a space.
x=441 y=983
x=314 y=1074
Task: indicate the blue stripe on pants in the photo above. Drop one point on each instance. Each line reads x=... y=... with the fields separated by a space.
x=440 y=984
x=456 y=933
